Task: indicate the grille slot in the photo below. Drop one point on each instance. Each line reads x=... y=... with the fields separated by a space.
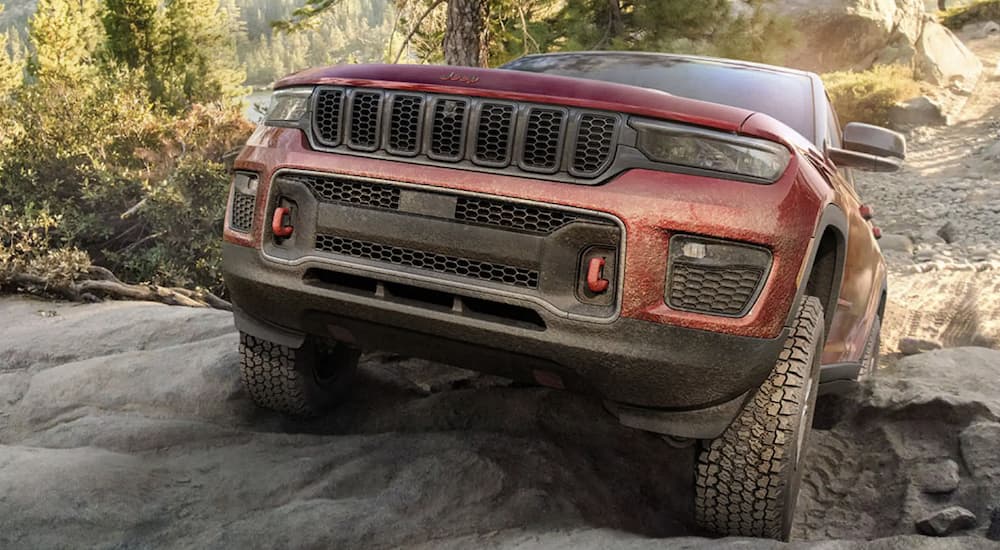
x=327 y=116
x=716 y=290
x=553 y=142
x=405 y=123
x=594 y=139
x=510 y=215
x=241 y=217
x=342 y=190
x=440 y=263
x=493 y=135
x=447 y=140
x=366 y=116
x=542 y=139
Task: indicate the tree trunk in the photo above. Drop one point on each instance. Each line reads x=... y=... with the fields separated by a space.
x=466 y=40
x=615 y=20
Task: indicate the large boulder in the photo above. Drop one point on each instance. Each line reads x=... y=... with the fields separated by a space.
x=943 y=59
x=841 y=35
x=850 y=34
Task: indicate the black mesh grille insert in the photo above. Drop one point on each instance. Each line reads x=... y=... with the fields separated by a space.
x=365 y=117
x=448 y=129
x=512 y=215
x=404 y=124
x=718 y=290
x=593 y=143
x=326 y=121
x=241 y=218
x=494 y=135
x=440 y=263
x=331 y=189
x=542 y=138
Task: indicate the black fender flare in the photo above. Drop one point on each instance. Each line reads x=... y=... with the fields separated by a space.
x=832 y=217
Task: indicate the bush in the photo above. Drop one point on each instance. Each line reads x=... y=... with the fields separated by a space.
x=140 y=191
x=983 y=10
x=867 y=96
x=26 y=247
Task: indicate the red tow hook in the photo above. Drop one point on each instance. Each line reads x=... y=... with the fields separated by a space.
x=281 y=223
x=595 y=276
x=867 y=212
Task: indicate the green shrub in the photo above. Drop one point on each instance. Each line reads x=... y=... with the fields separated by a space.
x=983 y=10
x=26 y=247
x=140 y=191
x=867 y=96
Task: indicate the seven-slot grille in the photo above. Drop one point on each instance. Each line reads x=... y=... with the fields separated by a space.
x=492 y=134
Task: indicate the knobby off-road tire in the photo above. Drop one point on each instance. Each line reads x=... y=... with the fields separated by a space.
x=303 y=382
x=747 y=479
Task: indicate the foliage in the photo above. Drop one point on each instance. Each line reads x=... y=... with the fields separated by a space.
x=712 y=27
x=65 y=35
x=867 y=96
x=10 y=67
x=981 y=10
x=197 y=61
x=353 y=31
x=26 y=247
x=135 y=182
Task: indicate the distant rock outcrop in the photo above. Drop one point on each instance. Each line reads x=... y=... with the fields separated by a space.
x=856 y=34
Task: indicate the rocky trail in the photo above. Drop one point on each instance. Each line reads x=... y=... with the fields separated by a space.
x=123 y=424
x=941 y=218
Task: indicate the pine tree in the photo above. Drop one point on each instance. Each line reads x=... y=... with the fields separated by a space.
x=10 y=69
x=65 y=35
x=198 y=58
x=133 y=29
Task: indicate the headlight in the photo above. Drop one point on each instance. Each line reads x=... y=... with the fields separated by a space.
x=288 y=106
x=708 y=150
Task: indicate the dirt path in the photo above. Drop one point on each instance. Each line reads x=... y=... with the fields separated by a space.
x=941 y=215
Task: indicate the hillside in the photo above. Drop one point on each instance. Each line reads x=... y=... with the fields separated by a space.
x=356 y=31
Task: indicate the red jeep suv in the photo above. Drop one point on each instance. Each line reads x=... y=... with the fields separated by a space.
x=676 y=236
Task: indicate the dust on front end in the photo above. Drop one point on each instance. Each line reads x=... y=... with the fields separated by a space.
x=351 y=241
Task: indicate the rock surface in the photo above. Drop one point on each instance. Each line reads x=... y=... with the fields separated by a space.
x=918 y=111
x=124 y=425
x=880 y=31
x=947 y=521
x=938 y=477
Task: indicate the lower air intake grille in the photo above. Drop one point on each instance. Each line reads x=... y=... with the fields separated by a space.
x=241 y=218
x=715 y=290
x=334 y=190
x=439 y=263
x=511 y=215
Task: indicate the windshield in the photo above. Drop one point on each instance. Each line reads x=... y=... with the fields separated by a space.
x=785 y=96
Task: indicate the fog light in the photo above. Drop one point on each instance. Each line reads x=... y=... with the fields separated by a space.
x=714 y=276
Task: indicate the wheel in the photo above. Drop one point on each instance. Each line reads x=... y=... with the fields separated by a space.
x=869 y=361
x=302 y=382
x=747 y=479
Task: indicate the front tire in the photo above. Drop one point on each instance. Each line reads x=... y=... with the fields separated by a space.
x=302 y=382
x=747 y=479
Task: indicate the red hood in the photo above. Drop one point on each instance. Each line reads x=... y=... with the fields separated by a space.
x=526 y=86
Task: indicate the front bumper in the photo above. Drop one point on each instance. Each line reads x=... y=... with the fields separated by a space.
x=628 y=361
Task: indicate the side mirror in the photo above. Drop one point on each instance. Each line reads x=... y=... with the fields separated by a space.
x=871 y=148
